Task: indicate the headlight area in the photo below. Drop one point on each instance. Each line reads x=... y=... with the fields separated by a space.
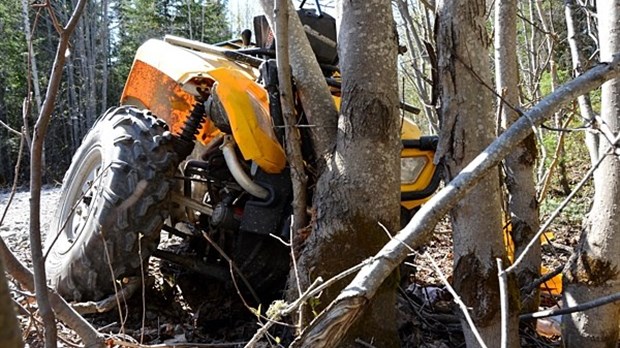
x=411 y=168
x=419 y=177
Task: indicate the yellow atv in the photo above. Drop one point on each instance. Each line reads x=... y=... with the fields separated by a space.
x=196 y=149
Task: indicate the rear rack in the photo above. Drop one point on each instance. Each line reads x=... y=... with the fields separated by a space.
x=203 y=47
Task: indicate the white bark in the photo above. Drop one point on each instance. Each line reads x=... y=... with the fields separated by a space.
x=595 y=271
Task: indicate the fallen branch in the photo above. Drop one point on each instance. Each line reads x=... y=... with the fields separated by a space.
x=64 y=312
x=329 y=327
x=109 y=303
x=568 y=310
x=314 y=289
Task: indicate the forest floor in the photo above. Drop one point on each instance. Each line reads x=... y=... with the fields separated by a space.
x=161 y=313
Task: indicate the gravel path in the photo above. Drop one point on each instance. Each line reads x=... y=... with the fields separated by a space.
x=15 y=227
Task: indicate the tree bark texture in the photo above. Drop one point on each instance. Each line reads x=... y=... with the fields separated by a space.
x=360 y=188
x=10 y=334
x=335 y=321
x=468 y=127
x=595 y=271
x=518 y=165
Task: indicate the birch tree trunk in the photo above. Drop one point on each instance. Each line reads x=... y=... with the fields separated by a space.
x=360 y=188
x=468 y=127
x=594 y=272
x=519 y=165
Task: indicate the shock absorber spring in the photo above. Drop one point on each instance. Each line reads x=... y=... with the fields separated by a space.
x=184 y=143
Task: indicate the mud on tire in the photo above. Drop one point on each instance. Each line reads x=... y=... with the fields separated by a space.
x=112 y=206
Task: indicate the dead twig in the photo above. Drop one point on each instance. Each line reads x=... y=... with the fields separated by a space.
x=314 y=289
x=233 y=266
x=545 y=278
x=19 y=134
x=444 y=280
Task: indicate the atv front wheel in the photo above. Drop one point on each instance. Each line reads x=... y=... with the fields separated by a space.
x=112 y=206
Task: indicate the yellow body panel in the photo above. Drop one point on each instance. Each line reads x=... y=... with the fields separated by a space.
x=254 y=135
x=164 y=79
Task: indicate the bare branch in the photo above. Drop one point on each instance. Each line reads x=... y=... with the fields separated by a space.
x=503 y=300
x=19 y=134
x=579 y=308
x=38 y=140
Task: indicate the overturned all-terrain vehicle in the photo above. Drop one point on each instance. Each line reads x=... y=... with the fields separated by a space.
x=196 y=149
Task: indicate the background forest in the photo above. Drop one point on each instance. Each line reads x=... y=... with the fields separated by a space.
x=100 y=56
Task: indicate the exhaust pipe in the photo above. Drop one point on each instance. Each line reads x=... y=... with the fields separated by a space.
x=228 y=148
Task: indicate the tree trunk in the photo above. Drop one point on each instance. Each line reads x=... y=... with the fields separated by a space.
x=360 y=188
x=593 y=273
x=585 y=106
x=10 y=334
x=467 y=128
x=519 y=165
x=34 y=71
x=105 y=49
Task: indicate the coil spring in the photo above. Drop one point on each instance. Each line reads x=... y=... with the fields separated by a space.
x=194 y=121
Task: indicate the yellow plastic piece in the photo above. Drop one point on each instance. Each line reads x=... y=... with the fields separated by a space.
x=553 y=285
x=250 y=123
